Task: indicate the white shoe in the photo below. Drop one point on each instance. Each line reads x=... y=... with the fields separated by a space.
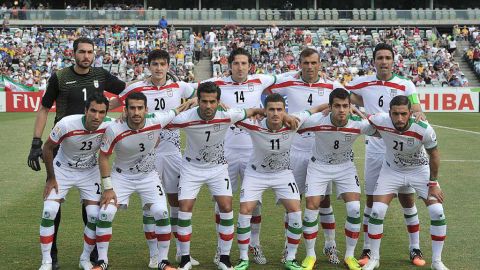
x=373 y=263
x=216 y=258
x=153 y=263
x=178 y=259
x=85 y=264
x=222 y=266
x=45 y=266
x=187 y=266
x=438 y=265
x=257 y=253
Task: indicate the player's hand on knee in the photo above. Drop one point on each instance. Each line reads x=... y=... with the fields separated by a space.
x=436 y=192
x=35 y=154
x=49 y=185
x=108 y=197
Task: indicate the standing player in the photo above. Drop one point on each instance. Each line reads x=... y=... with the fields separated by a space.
x=302 y=93
x=204 y=163
x=69 y=89
x=412 y=159
x=163 y=95
x=269 y=167
x=75 y=165
x=374 y=92
x=241 y=90
x=332 y=162
x=134 y=143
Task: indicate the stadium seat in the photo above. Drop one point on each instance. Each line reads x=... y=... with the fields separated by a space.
x=262 y=14
x=438 y=14
x=204 y=14
x=311 y=14
x=218 y=14
x=269 y=15
x=355 y=14
x=477 y=13
x=195 y=14
x=239 y=14
x=370 y=14
x=445 y=14
x=363 y=14
x=181 y=14
x=452 y=13
x=378 y=14
x=246 y=14
x=386 y=14
x=393 y=14
x=297 y=14
x=428 y=14
x=335 y=14
x=188 y=14
x=320 y=14
x=211 y=14
x=414 y=14
x=304 y=14
x=328 y=14
x=276 y=15
x=470 y=14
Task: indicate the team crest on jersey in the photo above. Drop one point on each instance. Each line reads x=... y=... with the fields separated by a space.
x=216 y=127
x=99 y=138
x=393 y=92
x=251 y=87
x=410 y=141
x=348 y=137
x=95 y=83
x=285 y=135
x=170 y=93
x=150 y=135
x=321 y=91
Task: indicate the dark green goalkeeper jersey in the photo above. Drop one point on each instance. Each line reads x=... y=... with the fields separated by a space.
x=70 y=90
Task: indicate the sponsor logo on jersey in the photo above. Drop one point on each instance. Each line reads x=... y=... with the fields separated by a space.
x=72 y=82
x=410 y=141
x=321 y=91
x=95 y=83
x=393 y=92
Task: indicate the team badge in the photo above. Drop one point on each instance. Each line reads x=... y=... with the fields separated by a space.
x=348 y=137
x=216 y=127
x=150 y=135
x=251 y=87
x=393 y=93
x=284 y=135
x=95 y=83
x=99 y=138
x=410 y=141
x=321 y=91
x=170 y=93
x=46 y=215
x=103 y=216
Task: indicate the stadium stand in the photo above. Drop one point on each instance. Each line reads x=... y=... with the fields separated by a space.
x=472 y=53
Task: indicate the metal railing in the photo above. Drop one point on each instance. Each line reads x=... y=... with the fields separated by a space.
x=246 y=15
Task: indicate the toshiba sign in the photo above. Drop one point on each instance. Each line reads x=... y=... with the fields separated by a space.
x=448 y=99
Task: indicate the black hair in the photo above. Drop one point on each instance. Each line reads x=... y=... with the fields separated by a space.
x=208 y=87
x=339 y=93
x=82 y=40
x=158 y=54
x=239 y=51
x=274 y=98
x=382 y=46
x=307 y=52
x=136 y=96
x=399 y=101
x=99 y=98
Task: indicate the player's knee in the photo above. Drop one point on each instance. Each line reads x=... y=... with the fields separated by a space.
x=258 y=210
x=369 y=202
x=406 y=200
x=92 y=212
x=107 y=214
x=379 y=210
x=312 y=204
x=436 y=211
x=353 y=209
x=159 y=211
x=325 y=203
x=50 y=209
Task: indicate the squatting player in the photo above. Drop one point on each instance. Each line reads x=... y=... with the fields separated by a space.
x=163 y=95
x=332 y=162
x=412 y=159
x=133 y=141
x=75 y=165
x=374 y=92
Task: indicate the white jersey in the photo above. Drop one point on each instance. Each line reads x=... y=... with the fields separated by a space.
x=242 y=95
x=405 y=150
x=303 y=96
x=377 y=94
x=135 y=149
x=333 y=145
x=78 y=146
x=271 y=151
x=163 y=98
x=205 y=138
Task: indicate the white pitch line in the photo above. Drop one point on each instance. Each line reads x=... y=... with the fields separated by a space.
x=456 y=129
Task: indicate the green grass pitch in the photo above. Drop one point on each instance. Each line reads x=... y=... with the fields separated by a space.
x=21 y=206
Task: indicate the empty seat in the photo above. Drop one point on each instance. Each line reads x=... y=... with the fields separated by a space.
x=276 y=15
x=311 y=14
x=262 y=14
x=414 y=14
x=355 y=14
x=239 y=14
x=393 y=14
x=246 y=14
x=438 y=14
x=452 y=13
x=320 y=14
x=428 y=14
x=297 y=14
x=335 y=14
x=328 y=14
x=181 y=14
x=378 y=14
x=304 y=14
x=269 y=14
x=218 y=14
x=204 y=14
x=211 y=14
x=363 y=14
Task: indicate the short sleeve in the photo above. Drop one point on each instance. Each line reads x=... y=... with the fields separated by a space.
x=354 y=86
x=336 y=85
x=277 y=87
x=163 y=118
x=179 y=120
x=113 y=84
x=366 y=128
x=268 y=80
x=411 y=93
x=187 y=90
x=236 y=114
x=429 y=138
x=52 y=92
x=303 y=116
x=123 y=95
x=108 y=140
x=58 y=132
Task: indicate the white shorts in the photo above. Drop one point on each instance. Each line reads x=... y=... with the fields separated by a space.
x=298 y=163
x=148 y=187
x=391 y=181
x=87 y=181
x=373 y=165
x=255 y=183
x=168 y=168
x=319 y=176
x=192 y=178
x=237 y=160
